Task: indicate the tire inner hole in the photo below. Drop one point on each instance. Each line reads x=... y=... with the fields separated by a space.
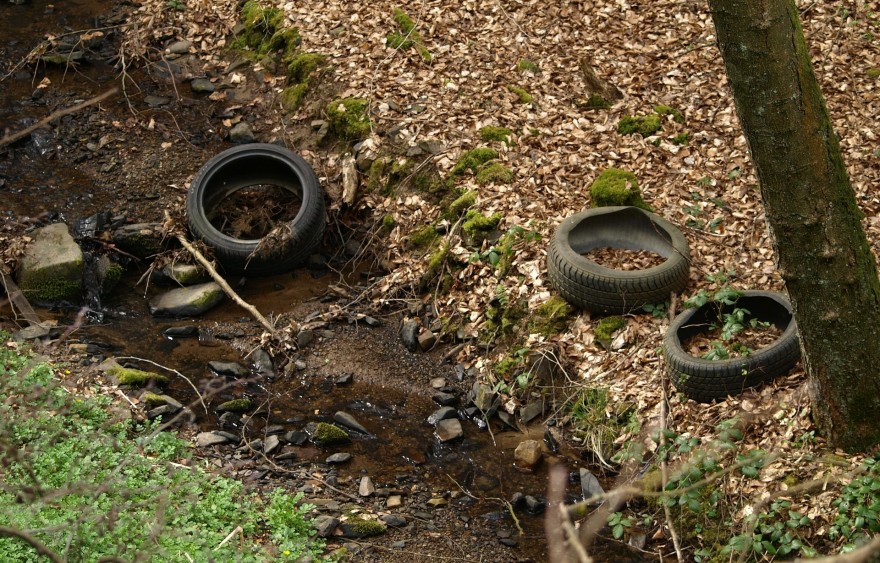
x=253 y=211
x=624 y=259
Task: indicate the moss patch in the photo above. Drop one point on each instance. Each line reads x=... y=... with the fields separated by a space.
x=362 y=528
x=494 y=173
x=646 y=125
x=681 y=139
x=617 y=187
x=525 y=65
x=873 y=72
x=52 y=290
x=461 y=204
x=388 y=222
x=606 y=328
x=152 y=400
x=348 y=118
x=473 y=159
x=477 y=226
x=423 y=236
x=264 y=32
x=327 y=434
x=677 y=116
x=595 y=101
x=235 y=405
x=521 y=93
x=407 y=36
x=490 y=133
x=292 y=96
x=550 y=318
x=136 y=377
x=303 y=65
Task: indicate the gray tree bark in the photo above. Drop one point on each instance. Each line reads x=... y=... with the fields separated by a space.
x=823 y=254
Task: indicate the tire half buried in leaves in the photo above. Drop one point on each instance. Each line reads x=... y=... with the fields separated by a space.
x=255 y=166
x=589 y=285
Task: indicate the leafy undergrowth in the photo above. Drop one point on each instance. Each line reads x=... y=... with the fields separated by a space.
x=87 y=485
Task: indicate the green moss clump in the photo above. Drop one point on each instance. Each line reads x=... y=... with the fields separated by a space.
x=494 y=173
x=362 y=528
x=426 y=179
x=303 y=65
x=397 y=40
x=550 y=318
x=264 y=31
x=376 y=175
x=292 y=96
x=435 y=262
x=407 y=36
x=423 y=236
x=490 y=133
x=388 y=222
x=111 y=277
x=473 y=159
x=136 y=377
x=646 y=125
x=152 y=400
x=525 y=65
x=461 y=204
x=677 y=116
x=235 y=405
x=52 y=290
x=606 y=328
x=682 y=138
x=617 y=187
x=507 y=367
x=873 y=72
x=595 y=101
x=348 y=118
x=476 y=225
x=521 y=93
x=503 y=319
x=327 y=434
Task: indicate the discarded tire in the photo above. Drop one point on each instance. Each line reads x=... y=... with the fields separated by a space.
x=257 y=164
x=589 y=285
x=705 y=380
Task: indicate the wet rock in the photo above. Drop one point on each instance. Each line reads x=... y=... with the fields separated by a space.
x=449 y=429
x=508 y=420
x=271 y=444
x=262 y=363
x=349 y=421
x=179 y=331
x=394 y=520
x=165 y=411
x=230 y=420
x=202 y=86
x=361 y=528
x=232 y=438
x=366 y=487
x=509 y=542
x=52 y=267
x=31 y=333
x=304 y=338
x=296 y=437
x=590 y=486
x=531 y=411
x=179 y=47
x=242 y=133
x=443 y=413
x=325 y=525
x=485 y=482
x=344 y=379
x=91 y=225
x=170 y=401
x=182 y=274
x=326 y=434
x=528 y=455
x=205 y=439
x=372 y=321
x=484 y=398
x=427 y=340
x=517 y=500
x=231 y=369
x=409 y=334
x=156 y=101
x=274 y=429
x=235 y=405
x=141 y=239
x=337 y=458
x=187 y=301
x=445 y=399
x=535 y=505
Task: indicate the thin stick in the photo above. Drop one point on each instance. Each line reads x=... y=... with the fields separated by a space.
x=226 y=288
x=663 y=470
x=237 y=530
x=174 y=371
x=7 y=139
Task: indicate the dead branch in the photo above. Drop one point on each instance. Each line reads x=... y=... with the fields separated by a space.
x=41 y=548
x=663 y=469
x=11 y=138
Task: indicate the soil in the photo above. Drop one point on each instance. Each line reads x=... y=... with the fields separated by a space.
x=251 y=213
x=624 y=259
x=743 y=343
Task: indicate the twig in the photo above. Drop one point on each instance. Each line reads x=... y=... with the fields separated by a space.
x=17 y=299
x=663 y=470
x=7 y=139
x=237 y=530
x=225 y=286
x=41 y=548
x=174 y=371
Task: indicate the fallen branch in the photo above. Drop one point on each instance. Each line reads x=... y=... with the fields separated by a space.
x=663 y=466
x=8 y=139
x=225 y=286
x=34 y=542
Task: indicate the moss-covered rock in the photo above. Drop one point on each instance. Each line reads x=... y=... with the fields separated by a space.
x=52 y=267
x=605 y=329
x=617 y=187
x=494 y=173
x=136 y=377
x=388 y=222
x=472 y=160
x=348 y=118
x=152 y=400
x=490 y=133
x=645 y=125
x=476 y=226
x=292 y=96
x=461 y=204
x=663 y=110
x=551 y=317
x=326 y=434
x=264 y=32
x=526 y=65
x=436 y=260
x=521 y=93
x=358 y=527
x=301 y=68
x=423 y=237
x=235 y=405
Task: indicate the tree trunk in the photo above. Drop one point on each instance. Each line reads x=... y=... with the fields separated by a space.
x=822 y=250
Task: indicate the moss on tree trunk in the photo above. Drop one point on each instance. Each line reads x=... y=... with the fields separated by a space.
x=822 y=250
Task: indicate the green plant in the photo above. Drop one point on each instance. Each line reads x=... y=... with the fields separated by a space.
x=656 y=310
x=348 y=118
x=521 y=93
x=407 y=36
x=858 y=506
x=491 y=133
x=645 y=125
x=618 y=524
x=176 y=5
x=778 y=531
x=472 y=160
x=730 y=322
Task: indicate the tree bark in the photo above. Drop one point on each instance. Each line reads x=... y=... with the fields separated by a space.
x=821 y=248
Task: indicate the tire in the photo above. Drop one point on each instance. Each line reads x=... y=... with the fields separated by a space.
x=706 y=380
x=252 y=165
x=588 y=285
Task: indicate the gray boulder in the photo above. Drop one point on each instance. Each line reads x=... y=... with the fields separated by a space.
x=51 y=269
x=187 y=301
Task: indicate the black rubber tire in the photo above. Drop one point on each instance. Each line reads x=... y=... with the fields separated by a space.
x=251 y=165
x=588 y=285
x=706 y=380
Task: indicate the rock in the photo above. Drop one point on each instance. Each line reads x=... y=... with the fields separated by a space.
x=432 y=146
x=509 y=542
x=528 y=455
x=296 y=437
x=325 y=525
x=508 y=420
x=535 y=505
x=517 y=500
x=242 y=133
x=205 y=439
x=372 y=321
x=179 y=331
x=358 y=527
x=349 y=421
x=484 y=398
x=52 y=267
x=230 y=420
x=179 y=47
x=393 y=501
x=166 y=411
x=187 y=301
x=235 y=405
x=156 y=101
x=531 y=411
x=394 y=520
x=31 y=332
x=438 y=383
x=444 y=399
x=141 y=239
x=366 y=488
x=202 y=86
x=427 y=339
x=262 y=363
x=326 y=434
x=345 y=379
x=590 y=486
x=171 y=401
x=232 y=369
x=183 y=274
x=409 y=334
x=304 y=338
x=449 y=429
x=337 y=458
x=443 y=413
x=271 y=444
x=437 y=501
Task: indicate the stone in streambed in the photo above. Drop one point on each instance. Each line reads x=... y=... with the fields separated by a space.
x=187 y=301
x=347 y=420
x=232 y=369
x=52 y=267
